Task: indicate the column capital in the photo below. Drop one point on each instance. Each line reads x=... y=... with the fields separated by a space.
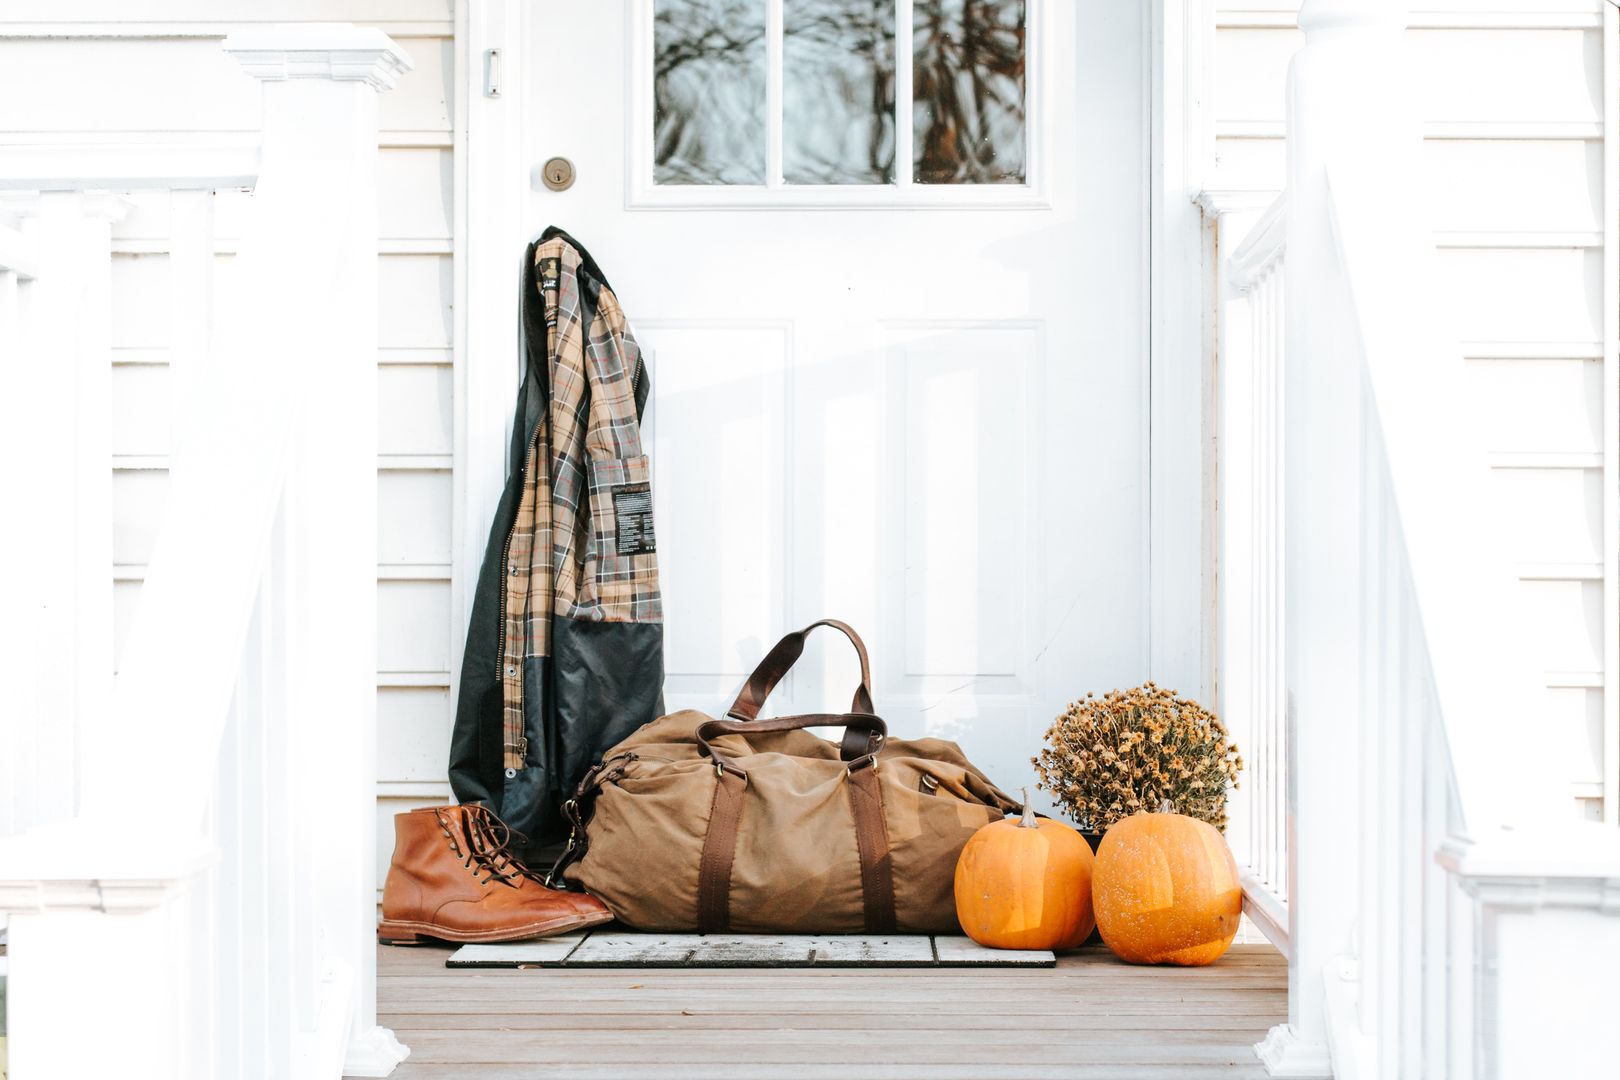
x=340 y=52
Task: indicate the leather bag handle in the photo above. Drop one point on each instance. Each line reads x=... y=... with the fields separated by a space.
x=777 y=663
x=870 y=732
x=782 y=657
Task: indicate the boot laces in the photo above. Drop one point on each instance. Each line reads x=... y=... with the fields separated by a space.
x=489 y=848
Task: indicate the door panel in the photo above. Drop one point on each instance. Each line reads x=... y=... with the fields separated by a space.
x=928 y=420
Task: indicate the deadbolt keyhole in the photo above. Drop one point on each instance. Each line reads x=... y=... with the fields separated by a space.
x=558 y=174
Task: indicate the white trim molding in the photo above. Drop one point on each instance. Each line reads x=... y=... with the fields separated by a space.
x=336 y=52
x=1284 y=1054
x=1263 y=246
x=73 y=866
x=1181 y=390
x=1546 y=912
x=374 y=1052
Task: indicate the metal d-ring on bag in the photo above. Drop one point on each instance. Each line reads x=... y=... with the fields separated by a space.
x=758 y=826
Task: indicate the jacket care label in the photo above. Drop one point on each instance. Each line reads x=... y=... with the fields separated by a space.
x=550 y=273
x=632 y=519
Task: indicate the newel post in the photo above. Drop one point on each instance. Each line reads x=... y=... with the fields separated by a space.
x=321 y=86
x=1341 y=93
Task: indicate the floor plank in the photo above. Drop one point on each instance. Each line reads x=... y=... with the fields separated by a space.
x=1090 y=1017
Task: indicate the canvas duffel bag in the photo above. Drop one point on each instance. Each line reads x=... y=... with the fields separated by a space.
x=759 y=826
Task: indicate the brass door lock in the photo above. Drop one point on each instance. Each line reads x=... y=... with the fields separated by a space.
x=558 y=174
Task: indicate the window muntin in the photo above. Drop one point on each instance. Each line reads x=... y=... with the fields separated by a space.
x=794 y=103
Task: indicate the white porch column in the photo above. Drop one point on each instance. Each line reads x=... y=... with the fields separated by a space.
x=1343 y=94
x=320 y=109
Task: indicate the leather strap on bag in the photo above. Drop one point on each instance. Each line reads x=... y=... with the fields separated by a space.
x=865 y=801
x=872 y=840
x=577 y=811
x=777 y=662
x=869 y=731
x=720 y=851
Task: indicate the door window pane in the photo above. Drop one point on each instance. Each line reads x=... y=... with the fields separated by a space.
x=968 y=91
x=838 y=91
x=709 y=92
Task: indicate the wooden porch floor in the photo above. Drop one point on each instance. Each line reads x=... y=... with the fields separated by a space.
x=1091 y=1016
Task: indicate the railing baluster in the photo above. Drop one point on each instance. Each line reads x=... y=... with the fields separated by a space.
x=231 y=938
x=1252 y=561
x=1254 y=505
x=1265 y=289
x=1268 y=552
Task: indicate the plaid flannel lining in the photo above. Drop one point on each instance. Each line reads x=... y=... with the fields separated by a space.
x=558 y=560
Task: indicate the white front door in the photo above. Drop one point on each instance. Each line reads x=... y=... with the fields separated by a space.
x=899 y=369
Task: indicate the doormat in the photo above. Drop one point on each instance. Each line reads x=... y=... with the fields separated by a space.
x=625 y=949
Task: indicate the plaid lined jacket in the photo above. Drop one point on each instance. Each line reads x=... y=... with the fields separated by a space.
x=564 y=652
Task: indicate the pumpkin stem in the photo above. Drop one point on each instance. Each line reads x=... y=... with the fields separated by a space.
x=1028 y=820
x=1166 y=806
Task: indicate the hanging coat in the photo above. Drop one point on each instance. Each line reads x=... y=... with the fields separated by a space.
x=564 y=651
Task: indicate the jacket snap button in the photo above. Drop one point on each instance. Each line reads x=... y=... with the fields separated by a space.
x=511 y=671
x=511 y=773
x=513 y=571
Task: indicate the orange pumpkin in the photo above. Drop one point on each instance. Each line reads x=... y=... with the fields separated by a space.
x=1025 y=883
x=1166 y=890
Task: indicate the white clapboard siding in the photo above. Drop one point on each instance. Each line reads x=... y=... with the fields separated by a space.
x=172 y=77
x=1514 y=183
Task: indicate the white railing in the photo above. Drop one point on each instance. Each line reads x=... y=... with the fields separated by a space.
x=1396 y=998
x=1441 y=921
x=196 y=898
x=1251 y=606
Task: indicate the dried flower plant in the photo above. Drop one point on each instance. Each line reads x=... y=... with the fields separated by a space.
x=1131 y=750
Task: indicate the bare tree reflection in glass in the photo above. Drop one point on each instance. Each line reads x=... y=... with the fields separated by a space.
x=968 y=91
x=709 y=92
x=838 y=91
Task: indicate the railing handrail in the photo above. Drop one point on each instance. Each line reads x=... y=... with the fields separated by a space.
x=99 y=163
x=1464 y=581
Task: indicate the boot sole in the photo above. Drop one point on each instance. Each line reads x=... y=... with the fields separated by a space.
x=408 y=932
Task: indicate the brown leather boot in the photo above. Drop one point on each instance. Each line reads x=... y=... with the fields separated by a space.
x=455 y=877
